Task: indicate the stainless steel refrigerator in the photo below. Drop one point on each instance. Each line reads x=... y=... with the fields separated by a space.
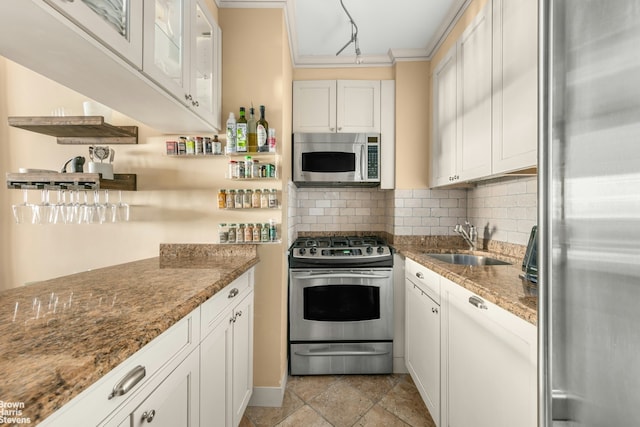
x=589 y=213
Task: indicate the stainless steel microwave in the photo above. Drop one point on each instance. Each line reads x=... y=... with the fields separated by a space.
x=336 y=159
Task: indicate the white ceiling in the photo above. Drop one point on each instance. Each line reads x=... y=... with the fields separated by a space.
x=388 y=31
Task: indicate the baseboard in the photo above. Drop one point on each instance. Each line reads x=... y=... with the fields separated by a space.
x=269 y=396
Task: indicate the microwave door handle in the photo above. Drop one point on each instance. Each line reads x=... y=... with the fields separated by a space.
x=363 y=163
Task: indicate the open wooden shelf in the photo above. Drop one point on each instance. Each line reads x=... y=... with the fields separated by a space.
x=71 y=181
x=78 y=129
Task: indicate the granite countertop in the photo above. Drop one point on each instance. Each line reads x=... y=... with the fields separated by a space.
x=59 y=336
x=500 y=285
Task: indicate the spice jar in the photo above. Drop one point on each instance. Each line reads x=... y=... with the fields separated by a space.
x=264 y=199
x=264 y=233
x=256 y=232
x=246 y=202
x=231 y=234
x=273 y=199
x=231 y=199
x=240 y=234
x=255 y=199
x=233 y=169
x=222 y=199
x=223 y=233
x=248 y=233
x=239 y=199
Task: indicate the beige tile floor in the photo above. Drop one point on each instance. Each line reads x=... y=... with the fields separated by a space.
x=345 y=401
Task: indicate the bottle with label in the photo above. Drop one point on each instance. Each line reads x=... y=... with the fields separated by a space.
x=264 y=199
x=222 y=199
x=241 y=132
x=217 y=146
x=223 y=233
x=251 y=131
x=191 y=145
x=271 y=140
x=248 y=233
x=240 y=234
x=239 y=199
x=273 y=234
x=248 y=167
x=257 y=232
x=231 y=235
x=231 y=133
x=273 y=199
x=231 y=199
x=264 y=233
x=262 y=129
x=246 y=201
x=255 y=199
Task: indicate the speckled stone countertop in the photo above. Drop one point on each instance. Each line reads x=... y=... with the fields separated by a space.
x=500 y=285
x=59 y=336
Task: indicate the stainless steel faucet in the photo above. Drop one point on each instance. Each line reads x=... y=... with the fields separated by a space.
x=471 y=237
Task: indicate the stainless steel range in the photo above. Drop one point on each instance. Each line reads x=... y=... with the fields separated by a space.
x=340 y=306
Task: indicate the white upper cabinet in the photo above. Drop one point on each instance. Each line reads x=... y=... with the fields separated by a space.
x=180 y=47
x=515 y=85
x=445 y=101
x=115 y=23
x=348 y=106
x=474 y=98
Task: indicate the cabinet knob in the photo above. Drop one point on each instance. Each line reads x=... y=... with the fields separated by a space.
x=239 y=313
x=419 y=275
x=188 y=96
x=195 y=103
x=434 y=310
x=332 y=129
x=148 y=416
x=233 y=292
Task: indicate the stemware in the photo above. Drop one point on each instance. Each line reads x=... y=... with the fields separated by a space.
x=111 y=209
x=46 y=211
x=123 y=209
x=25 y=213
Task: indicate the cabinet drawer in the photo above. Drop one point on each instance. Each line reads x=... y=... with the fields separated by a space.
x=217 y=305
x=165 y=351
x=426 y=279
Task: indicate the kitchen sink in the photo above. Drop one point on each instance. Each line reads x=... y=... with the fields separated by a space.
x=467 y=259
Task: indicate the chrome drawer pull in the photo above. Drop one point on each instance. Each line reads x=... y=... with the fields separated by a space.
x=233 y=292
x=149 y=416
x=478 y=302
x=419 y=275
x=128 y=381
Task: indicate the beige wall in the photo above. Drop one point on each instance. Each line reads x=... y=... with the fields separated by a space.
x=257 y=68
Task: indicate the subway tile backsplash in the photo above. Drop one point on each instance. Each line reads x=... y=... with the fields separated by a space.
x=502 y=210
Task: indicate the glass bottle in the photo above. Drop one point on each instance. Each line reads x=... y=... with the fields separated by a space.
x=232 y=233
x=264 y=199
x=247 y=199
x=273 y=234
x=223 y=233
x=273 y=199
x=257 y=232
x=231 y=199
x=231 y=133
x=255 y=199
x=251 y=131
x=240 y=234
x=248 y=167
x=239 y=199
x=264 y=233
x=222 y=199
x=248 y=233
x=241 y=132
x=262 y=130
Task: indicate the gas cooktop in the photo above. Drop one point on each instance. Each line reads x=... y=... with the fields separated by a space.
x=340 y=251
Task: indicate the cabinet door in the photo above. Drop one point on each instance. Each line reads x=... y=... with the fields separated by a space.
x=215 y=374
x=474 y=98
x=358 y=106
x=422 y=353
x=242 y=357
x=515 y=71
x=314 y=106
x=204 y=64
x=443 y=144
x=491 y=363
x=167 y=46
x=175 y=401
x=116 y=24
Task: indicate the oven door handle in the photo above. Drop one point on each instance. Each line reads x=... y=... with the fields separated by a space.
x=342 y=276
x=341 y=353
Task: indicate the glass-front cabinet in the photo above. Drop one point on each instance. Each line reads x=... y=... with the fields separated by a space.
x=181 y=53
x=117 y=24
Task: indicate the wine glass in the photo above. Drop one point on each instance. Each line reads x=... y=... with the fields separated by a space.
x=123 y=209
x=46 y=211
x=25 y=213
x=111 y=210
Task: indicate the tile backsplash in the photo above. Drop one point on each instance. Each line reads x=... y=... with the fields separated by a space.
x=502 y=210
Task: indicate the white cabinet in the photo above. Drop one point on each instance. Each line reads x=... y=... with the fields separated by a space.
x=348 y=106
x=444 y=140
x=491 y=357
x=117 y=25
x=515 y=75
x=182 y=53
x=174 y=402
x=474 y=98
x=226 y=354
x=422 y=338
x=461 y=144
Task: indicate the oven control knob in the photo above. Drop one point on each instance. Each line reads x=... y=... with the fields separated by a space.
x=369 y=249
x=302 y=251
x=313 y=250
x=380 y=249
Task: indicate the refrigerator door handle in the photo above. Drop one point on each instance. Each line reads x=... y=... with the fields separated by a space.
x=562 y=405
